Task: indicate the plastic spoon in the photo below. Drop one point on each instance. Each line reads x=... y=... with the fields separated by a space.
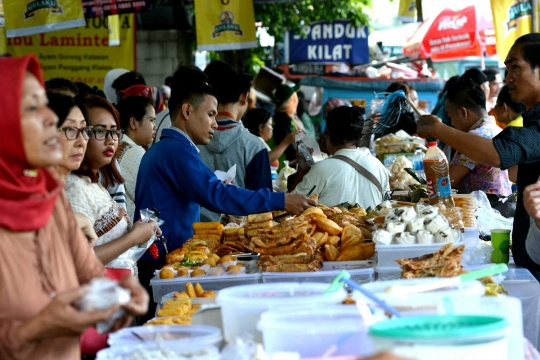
x=345 y=278
x=458 y=280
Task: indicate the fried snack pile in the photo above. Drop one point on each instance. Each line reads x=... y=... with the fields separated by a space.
x=210 y=232
x=196 y=291
x=444 y=263
x=175 y=311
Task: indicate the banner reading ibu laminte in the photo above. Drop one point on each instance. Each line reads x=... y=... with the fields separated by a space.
x=28 y=17
x=511 y=19
x=97 y=8
x=225 y=25
x=82 y=54
x=337 y=41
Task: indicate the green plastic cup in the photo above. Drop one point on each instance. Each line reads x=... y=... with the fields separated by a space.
x=500 y=240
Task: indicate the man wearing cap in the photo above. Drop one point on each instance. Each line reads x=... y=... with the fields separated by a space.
x=285 y=119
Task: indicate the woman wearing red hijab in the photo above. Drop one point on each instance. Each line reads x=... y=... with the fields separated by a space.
x=44 y=257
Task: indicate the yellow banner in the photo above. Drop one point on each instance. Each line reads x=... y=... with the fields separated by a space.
x=29 y=17
x=82 y=54
x=407 y=11
x=114 y=30
x=511 y=19
x=225 y=25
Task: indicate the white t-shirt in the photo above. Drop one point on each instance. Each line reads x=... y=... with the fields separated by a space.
x=337 y=182
x=130 y=160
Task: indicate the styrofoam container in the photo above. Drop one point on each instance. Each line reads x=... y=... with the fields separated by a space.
x=161 y=287
x=184 y=353
x=242 y=306
x=425 y=302
x=321 y=276
x=198 y=336
x=315 y=332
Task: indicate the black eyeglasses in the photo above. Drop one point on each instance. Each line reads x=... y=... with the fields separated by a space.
x=72 y=132
x=102 y=134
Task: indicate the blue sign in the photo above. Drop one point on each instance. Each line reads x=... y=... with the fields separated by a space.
x=337 y=41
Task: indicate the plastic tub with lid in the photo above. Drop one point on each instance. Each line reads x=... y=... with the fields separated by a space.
x=339 y=327
x=447 y=337
x=242 y=306
x=180 y=352
x=189 y=336
x=425 y=302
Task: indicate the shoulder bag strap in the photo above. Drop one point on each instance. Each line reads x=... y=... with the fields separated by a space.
x=362 y=170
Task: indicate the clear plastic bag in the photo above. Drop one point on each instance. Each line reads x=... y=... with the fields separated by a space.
x=244 y=348
x=104 y=293
x=129 y=258
x=311 y=144
x=489 y=218
x=280 y=184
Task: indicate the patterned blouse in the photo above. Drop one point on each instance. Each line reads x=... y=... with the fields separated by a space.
x=129 y=156
x=110 y=220
x=490 y=180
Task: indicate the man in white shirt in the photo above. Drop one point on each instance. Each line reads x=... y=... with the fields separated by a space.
x=337 y=181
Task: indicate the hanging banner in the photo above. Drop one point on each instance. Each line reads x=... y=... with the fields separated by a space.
x=2 y=19
x=407 y=11
x=511 y=19
x=98 y=8
x=114 y=30
x=29 y=17
x=225 y=25
x=337 y=41
x=82 y=54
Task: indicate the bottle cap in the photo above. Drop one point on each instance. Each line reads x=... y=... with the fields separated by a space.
x=432 y=143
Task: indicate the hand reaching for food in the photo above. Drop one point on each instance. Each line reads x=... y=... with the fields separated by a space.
x=296 y=204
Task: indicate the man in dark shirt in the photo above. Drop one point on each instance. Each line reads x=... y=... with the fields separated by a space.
x=513 y=146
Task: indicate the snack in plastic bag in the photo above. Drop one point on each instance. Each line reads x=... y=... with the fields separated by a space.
x=104 y=293
x=281 y=181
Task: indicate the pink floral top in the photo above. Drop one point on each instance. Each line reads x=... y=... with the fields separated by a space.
x=489 y=179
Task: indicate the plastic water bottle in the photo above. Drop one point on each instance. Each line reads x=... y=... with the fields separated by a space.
x=438 y=180
x=418 y=162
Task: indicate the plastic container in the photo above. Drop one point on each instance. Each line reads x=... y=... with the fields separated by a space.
x=199 y=336
x=184 y=353
x=242 y=306
x=438 y=180
x=388 y=254
x=443 y=337
x=162 y=287
x=315 y=332
x=426 y=302
x=322 y=276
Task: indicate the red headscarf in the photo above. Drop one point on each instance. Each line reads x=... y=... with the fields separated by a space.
x=149 y=92
x=26 y=202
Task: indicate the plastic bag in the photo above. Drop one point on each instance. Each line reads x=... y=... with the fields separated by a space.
x=129 y=258
x=103 y=294
x=244 y=348
x=311 y=144
x=489 y=218
x=280 y=184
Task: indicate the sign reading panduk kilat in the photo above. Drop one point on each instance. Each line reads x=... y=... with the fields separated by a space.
x=28 y=17
x=337 y=41
x=97 y=8
x=82 y=54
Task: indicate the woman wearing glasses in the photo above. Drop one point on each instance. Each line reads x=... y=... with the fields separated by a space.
x=138 y=121
x=89 y=197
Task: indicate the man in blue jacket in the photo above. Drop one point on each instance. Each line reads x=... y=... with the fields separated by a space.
x=173 y=179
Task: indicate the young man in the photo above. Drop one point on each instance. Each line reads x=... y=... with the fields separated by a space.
x=495 y=84
x=334 y=179
x=466 y=106
x=232 y=144
x=514 y=145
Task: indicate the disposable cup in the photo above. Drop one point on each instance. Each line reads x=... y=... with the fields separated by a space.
x=500 y=241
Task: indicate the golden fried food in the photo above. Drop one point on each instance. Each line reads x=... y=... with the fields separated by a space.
x=317 y=236
x=177 y=255
x=333 y=240
x=322 y=240
x=207 y=225
x=215 y=256
x=231 y=232
x=358 y=211
x=330 y=252
x=182 y=271
x=234 y=269
x=350 y=231
x=314 y=197
x=259 y=225
x=199 y=291
x=209 y=294
x=357 y=252
x=181 y=295
x=198 y=272
x=351 y=241
x=225 y=259
x=161 y=321
x=210 y=261
x=328 y=226
x=258 y=218
x=167 y=272
x=190 y=289
x=203 y=237
x=312 y=266
x=314 y=212
x=209 y=232
x=197 y=256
